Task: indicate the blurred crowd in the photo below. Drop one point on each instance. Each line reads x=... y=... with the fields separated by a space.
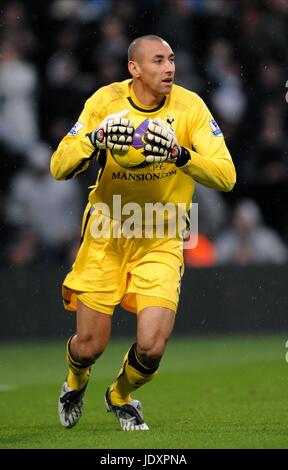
x=54 y=54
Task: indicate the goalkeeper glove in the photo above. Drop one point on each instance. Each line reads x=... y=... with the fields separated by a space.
x=115 y=132
x=162 y=145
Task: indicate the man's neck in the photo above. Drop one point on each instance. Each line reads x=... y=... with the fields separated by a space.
x=145 y=97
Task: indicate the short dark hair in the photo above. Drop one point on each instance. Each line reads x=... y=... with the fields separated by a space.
x=136 y=42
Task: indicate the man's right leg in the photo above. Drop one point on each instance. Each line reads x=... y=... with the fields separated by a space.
x=93 y=333
x=154 y=326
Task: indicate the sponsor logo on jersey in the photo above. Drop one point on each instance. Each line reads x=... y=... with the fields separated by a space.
x=129 y=176
x=76 y=128
x=215 y=128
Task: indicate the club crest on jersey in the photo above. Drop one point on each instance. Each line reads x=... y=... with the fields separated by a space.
x=170 y=121
x=76 y=128
x=215 y=128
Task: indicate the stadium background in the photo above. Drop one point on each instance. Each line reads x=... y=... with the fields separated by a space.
x=54 y=54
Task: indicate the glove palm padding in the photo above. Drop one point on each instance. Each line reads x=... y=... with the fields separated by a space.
x=162 y=144
x=115 y=132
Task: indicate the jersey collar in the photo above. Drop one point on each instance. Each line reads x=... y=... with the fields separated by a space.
x=139 y=106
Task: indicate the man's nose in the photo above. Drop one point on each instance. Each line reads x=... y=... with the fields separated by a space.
x=169 y=66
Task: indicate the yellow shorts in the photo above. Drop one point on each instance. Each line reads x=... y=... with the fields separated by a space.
x=133 y=272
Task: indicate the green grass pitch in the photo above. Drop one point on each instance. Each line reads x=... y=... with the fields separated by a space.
x=210 y=393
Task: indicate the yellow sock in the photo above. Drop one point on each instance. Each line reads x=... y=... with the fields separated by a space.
x=78 y=375
x=131 y=376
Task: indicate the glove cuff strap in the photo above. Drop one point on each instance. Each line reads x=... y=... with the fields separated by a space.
x=183 y=158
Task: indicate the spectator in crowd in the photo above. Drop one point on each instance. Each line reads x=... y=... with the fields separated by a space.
x=18 y=110
x=249 y=240
x=43 y=212
x=16 y=28
x=271 y=156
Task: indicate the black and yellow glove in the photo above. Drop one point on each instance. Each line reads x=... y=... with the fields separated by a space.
x=162 y=145
x=115 y=132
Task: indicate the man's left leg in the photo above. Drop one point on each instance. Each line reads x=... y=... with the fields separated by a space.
x=140 y=365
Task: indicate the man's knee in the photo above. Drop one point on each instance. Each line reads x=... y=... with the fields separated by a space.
x=154 y=327
x=150 y=352
x=89 y=349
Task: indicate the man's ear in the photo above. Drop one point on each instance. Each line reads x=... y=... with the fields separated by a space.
x=134 y=68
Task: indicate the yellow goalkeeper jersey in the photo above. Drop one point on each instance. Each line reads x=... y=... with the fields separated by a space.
x=194 y=126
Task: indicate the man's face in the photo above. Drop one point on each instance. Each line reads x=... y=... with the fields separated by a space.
x=156 y=66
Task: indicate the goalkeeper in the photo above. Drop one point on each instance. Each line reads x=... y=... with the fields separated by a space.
x=182 y=145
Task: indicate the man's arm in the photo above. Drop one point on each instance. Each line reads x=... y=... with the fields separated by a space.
x=209 y=161
x=216 y=172
x=70 y=159
x=75 y=150
x=83 y=141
